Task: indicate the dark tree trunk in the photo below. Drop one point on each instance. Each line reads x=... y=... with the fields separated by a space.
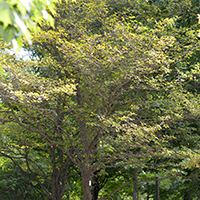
x=95 y=186
x=148 y=191
x=59 y=175
x=135 y=184
x=157 y=189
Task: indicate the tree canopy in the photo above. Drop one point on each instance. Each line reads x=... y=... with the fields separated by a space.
x=109 y=92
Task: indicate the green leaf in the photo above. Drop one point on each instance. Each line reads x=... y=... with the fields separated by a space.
x=21 y=8
x=9 y=33
x=5 y=14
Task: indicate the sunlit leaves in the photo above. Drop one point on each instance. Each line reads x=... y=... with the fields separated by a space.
x=19 y=17
x=103 y=88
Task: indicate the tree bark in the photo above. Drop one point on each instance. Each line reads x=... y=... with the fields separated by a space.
x=59 y=177
x=147 y=191
x=157 y=189
x=135 y=184
x=86 y=175
x=95 y=186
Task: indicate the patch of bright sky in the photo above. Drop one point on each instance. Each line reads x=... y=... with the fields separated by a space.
x=20 y=23
x=27 y=4
x=25 y=55
x=20 y=52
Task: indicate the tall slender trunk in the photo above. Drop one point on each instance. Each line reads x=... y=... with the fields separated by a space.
x=148 y=191
x=95 y=186
x=135 y=184
x=157 y=189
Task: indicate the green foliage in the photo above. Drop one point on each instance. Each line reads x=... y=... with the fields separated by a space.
x=18 y=17
x=107 y=86
x=16 y=185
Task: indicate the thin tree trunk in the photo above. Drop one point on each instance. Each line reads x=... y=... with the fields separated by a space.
x=157 y=189
x=95 y=186
x=135 y=184
x=147 y=191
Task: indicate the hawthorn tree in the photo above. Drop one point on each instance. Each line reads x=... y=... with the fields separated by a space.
x=92 y=96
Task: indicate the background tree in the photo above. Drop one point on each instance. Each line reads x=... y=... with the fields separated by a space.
x=17 y=185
